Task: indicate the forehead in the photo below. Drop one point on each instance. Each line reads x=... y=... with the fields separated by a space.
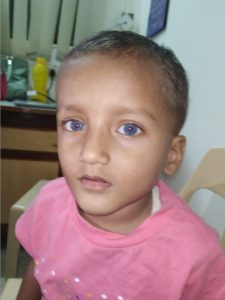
x=114 y=84
x=106 y=84
x=127 y=72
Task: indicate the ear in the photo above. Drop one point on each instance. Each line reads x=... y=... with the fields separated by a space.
x=175 y=154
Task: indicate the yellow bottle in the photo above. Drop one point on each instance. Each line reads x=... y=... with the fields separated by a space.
x=40 y=79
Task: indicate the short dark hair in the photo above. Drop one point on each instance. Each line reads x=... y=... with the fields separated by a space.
x=173 y=83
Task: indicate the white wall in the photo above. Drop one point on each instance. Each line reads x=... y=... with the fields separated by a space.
x=196 y=32
x=97 y=15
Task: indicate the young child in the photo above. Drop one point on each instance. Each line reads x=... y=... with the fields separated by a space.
x=110 y=229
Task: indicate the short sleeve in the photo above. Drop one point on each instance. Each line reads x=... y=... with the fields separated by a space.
x=35 y=227
x=30 y=225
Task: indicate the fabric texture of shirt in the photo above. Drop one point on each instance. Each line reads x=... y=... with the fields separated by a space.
x=172 y=255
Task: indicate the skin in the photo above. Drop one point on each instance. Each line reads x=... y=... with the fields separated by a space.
x=111 y=172
x=30 y=289
x=114 y=140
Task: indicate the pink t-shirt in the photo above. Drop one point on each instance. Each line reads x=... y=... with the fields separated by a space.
x=172 y=255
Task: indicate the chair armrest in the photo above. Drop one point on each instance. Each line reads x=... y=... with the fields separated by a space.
x=11 y=289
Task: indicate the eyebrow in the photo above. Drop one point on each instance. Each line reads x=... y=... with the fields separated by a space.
x=69 y=107
x=120 y=110
x=141 y=111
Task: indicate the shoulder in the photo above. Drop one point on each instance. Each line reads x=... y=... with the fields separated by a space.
x=55 y=186
x=51 y=196
x=188 y=229
x=47 y=214
x=56 y=190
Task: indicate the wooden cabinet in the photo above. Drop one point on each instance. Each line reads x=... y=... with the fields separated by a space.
x=29 y=152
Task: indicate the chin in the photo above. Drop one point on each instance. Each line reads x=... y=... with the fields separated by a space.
x=95 y=212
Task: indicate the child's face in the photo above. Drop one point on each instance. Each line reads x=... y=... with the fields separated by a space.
x=113 y=137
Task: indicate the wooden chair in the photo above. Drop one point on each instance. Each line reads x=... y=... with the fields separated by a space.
x=210 y=174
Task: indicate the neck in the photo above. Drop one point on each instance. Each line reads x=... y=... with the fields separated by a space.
x=124 y=221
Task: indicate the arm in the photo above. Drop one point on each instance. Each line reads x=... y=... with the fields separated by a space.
x=30 y=289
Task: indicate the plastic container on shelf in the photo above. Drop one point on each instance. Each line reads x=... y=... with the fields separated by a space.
x=40 y=79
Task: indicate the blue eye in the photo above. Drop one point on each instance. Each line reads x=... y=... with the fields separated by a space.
x=130 y=129
x=73 y=125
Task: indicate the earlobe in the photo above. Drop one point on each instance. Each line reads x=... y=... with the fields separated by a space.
x=175 y=154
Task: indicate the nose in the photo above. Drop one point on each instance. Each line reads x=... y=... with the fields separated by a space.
x=95 y=149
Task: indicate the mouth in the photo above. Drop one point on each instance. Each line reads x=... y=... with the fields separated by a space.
x=95 y=183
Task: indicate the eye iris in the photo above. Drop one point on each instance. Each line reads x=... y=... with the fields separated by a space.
x=76 y=125
x=130 y=129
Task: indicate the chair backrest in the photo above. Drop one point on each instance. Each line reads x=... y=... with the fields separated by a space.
x=210 y=174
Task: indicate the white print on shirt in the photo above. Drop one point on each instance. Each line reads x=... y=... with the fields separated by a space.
x=76 y=280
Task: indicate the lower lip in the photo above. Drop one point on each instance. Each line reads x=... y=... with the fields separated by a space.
x=94 y=184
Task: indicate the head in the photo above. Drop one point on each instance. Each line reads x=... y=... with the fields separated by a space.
x=128 y=46
x=122 y=101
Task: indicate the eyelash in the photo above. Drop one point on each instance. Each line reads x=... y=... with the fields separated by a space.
x=128 y=129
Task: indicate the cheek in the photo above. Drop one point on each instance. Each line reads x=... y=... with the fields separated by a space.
x=146 y=161
x=61 y=149
x=134 y=166
x=67 y=155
